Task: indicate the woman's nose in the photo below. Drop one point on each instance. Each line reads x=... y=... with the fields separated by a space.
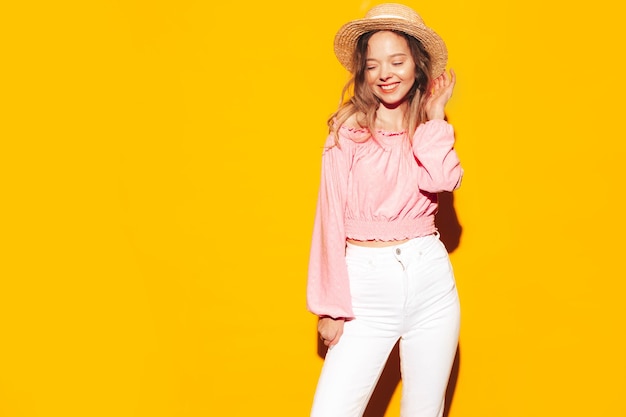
x=385 y=74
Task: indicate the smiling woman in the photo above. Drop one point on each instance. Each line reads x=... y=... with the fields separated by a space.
x=378 y=272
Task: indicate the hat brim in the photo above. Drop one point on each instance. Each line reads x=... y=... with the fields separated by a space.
x=348 y=35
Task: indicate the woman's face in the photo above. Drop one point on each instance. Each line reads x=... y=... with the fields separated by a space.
x=390 y=69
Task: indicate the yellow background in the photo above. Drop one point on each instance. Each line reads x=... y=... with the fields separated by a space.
x=159 y=169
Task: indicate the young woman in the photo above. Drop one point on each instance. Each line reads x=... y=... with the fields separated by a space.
x=378 y=272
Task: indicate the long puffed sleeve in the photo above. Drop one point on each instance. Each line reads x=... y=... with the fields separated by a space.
x=328 y=289
x=433 y=147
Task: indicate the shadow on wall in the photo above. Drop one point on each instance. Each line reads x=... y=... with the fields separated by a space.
x=450 y=230
x=447 y=222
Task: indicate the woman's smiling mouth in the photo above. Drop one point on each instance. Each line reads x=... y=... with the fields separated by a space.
x=388 y=87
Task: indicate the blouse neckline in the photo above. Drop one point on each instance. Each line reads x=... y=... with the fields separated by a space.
x=378 y=131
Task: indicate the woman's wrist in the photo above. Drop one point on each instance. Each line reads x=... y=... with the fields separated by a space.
x=436 y=115
x=325 y=316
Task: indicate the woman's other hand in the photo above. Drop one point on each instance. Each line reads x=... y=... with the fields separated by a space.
x=330 y=330
x=440 y=93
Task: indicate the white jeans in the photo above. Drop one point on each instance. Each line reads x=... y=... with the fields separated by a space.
x=404 y=292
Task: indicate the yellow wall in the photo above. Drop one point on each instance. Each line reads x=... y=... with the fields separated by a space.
x=159 y=170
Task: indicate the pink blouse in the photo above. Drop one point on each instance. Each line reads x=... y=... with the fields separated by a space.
x=381 y=188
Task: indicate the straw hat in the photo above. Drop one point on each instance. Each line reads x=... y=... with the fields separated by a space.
x=391 y=16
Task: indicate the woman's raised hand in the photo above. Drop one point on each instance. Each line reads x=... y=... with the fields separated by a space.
x=440 y=93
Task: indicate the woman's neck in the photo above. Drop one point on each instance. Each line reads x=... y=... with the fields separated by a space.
x=391 y=120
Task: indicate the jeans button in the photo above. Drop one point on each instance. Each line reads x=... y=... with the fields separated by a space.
x=398 y=251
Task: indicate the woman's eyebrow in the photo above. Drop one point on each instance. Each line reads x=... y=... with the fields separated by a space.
x=390 y=56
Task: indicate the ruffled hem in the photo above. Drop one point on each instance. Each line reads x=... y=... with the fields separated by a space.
x=391 y=229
